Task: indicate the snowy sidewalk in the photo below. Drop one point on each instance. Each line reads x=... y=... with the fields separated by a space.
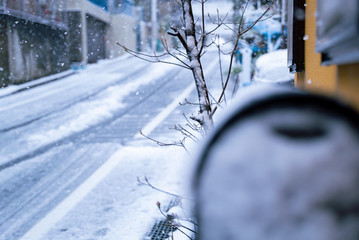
x=111 y=204
x=12 y=89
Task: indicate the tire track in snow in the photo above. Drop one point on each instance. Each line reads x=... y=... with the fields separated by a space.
x=136 y=71
x=45 y=147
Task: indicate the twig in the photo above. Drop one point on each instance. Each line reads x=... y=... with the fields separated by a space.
x=242 y=17
x=152 y=58
x=220 y=66
x=147 y=183
x=203 y=38
x=186 y=133
x=165 y=45
x=188 y=102
x=255 y=22
x=179 y=143
x=177 y=34
x=174 y=224
x=235 y=49
x=193 y=126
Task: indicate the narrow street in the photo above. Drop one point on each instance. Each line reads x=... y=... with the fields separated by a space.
x=56 y=135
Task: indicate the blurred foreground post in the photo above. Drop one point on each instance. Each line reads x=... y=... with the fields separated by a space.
x=282 y=165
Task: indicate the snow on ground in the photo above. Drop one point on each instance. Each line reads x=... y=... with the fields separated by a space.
x=93 y=112
x=272 y=67
x=111 y=204
x=13 y=88
x=91 y=67
x=127 y=209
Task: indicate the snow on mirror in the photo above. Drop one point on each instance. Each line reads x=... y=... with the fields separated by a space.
x=281 y=166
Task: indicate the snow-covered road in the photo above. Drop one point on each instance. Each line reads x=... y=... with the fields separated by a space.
x=69 y=154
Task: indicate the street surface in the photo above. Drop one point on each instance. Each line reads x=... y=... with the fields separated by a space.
x=55 y=136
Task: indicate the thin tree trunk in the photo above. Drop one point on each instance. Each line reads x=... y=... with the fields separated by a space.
x=205 y=110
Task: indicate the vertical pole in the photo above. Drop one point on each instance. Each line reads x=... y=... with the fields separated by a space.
x=283 y=12
x=245 y=76
x=65 y=14
x=154 y=24
x=283 y=22
x=84 y=40
x=269 y=40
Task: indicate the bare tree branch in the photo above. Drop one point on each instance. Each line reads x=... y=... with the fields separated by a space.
x=186 y=102
x=177 y=34
x=153 y=58
x=235 y=49
x=219 y=22
x=166 y=47
x=256 y=21
x=203 y=37
x=193 y=36
x=193 y=52
x=242 y=17
x=186 y=133
x=147 y=183
x=162 y=144
x=171 y=220
x=193 y=126
x=220 y=66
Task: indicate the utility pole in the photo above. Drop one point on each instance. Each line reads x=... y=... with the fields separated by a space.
x=245 y=75
x=154 y=24
x=283 y=23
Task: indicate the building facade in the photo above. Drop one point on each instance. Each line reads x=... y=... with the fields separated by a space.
x=323 y=47
x=96 y=26
x=42 y=37
x=33 y=39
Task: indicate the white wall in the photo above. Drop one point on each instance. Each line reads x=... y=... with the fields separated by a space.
x=123 y=31
x=121 y=28
x=89 y=8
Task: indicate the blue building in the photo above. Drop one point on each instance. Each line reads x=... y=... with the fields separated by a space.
x=116 y=6
x=102 y=3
